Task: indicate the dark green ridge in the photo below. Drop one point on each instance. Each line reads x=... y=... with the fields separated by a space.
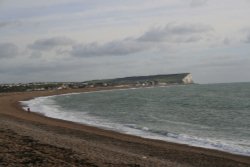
x=170 y=79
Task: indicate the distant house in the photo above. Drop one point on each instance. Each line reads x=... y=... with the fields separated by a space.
x=162 y=84
x=62 y=87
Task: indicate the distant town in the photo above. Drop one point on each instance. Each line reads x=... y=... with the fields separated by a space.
x=137 y=81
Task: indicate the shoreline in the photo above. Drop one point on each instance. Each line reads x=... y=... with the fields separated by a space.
x=126 y=130
x=103 y=147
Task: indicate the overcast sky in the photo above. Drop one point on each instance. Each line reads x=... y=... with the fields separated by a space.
x=79 y=40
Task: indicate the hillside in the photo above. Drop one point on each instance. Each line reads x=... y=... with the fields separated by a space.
x=183 y=78
x=137 y=81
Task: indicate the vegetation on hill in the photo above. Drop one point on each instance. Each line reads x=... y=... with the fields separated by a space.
x=154 y=79
x=137 y=81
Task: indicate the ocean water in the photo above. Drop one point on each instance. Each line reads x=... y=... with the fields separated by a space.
x=215 y=116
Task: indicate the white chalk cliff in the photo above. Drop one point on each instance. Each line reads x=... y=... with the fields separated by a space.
x=188 y=79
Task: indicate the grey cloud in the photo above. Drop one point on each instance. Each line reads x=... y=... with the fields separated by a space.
x=122 y=47
x=36 y=54
x=8 y=50
x=218 y=61
x=50 y=43
x=223 y=63
x=226 y=41
x=195 y=3
x=176 y=33
x=245 y=34
x=9 y=23
x=149 y=40
x=4 y=24
x=247 y=40
x=25 y=70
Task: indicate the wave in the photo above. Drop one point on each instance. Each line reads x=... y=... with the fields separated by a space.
x=48 y=107
x=226 y=146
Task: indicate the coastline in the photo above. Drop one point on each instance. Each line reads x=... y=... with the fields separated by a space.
x=94 y=146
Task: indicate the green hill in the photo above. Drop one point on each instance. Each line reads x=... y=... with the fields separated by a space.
x=149 y=80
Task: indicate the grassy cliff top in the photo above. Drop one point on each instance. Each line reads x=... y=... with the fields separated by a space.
x=169 y=78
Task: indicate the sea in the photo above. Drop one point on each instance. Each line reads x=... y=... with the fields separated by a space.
x=214 y=116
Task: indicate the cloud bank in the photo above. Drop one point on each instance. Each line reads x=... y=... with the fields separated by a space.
x=247 y=40
x=171 y=33
x=64 y=39
x=176 y=33
x=114 y=48
x=50 y=43
x=9 y=24
x=195 y=3
x=8 y=50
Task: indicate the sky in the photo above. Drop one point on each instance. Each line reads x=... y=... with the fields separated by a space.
x=80 y=40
